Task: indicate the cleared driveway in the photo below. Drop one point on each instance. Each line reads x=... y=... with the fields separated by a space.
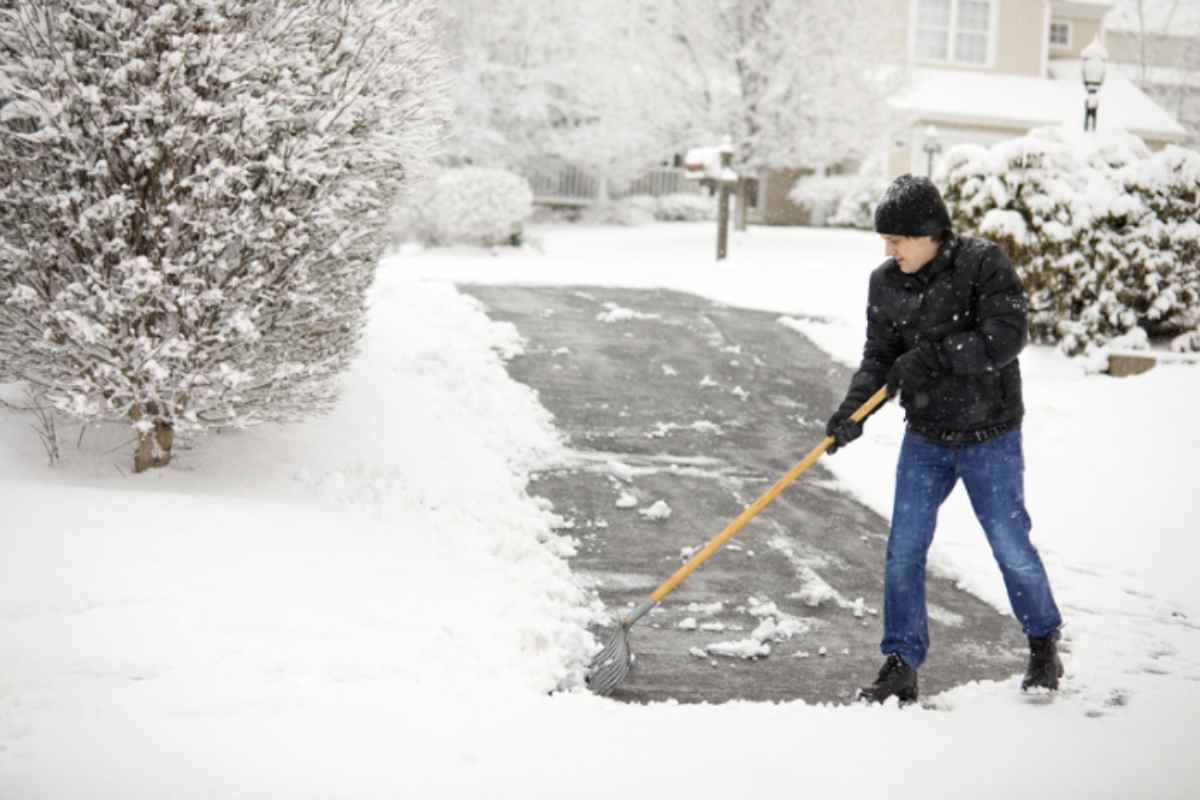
x=672 y=402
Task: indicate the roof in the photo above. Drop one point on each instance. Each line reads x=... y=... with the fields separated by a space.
x=1082 y=9
x=1173 y=17
x=991 y=99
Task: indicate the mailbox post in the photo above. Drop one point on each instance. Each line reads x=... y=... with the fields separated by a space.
x=713 y=166
x=727 y=186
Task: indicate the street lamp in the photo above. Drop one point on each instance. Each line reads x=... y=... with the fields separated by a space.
x=1095 y=64
x=932 y=146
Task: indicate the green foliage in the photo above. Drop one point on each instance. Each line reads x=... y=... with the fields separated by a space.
x=1103 y=234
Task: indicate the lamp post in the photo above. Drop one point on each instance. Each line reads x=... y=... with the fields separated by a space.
x=1095 y=64
x=932 y=146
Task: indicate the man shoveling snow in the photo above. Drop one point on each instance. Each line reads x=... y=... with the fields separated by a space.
x=946 y=320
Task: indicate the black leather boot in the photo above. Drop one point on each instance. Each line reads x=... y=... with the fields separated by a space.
x=1045 y=667
x=896 y=678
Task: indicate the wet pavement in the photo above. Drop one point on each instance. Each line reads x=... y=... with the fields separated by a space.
x=679 y=412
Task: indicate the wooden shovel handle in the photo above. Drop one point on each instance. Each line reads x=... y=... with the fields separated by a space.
x=731 y=530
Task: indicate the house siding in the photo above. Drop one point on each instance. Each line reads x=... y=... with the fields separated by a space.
x=1083 y=31
x=775 y=206
x=1018 y=38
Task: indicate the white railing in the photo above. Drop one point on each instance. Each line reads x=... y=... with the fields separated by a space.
x=568 y=186
x=571 y=186
x=665 y=180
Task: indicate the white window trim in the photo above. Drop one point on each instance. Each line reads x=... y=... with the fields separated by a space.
x=950 y=61
x=1070 y=34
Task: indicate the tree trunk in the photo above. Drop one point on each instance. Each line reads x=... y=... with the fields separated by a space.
x=154 y=447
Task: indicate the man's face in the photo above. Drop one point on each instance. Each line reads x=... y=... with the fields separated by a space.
x=910 y=252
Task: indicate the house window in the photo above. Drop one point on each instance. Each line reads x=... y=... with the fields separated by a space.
x=956 y=31
x=1060 y=34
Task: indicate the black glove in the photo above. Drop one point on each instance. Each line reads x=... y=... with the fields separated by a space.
x=843 y=430
x=915 y=370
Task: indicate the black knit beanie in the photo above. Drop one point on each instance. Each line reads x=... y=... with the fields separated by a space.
x=912 y=206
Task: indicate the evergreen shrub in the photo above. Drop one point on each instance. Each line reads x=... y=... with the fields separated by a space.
x=1103 y=233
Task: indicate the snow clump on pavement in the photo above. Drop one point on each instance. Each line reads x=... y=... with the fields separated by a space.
x=659 y=511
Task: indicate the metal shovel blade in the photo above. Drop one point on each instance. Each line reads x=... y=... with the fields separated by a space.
x=612 y=664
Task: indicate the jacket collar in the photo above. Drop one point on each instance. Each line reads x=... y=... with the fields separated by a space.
x=943 y=260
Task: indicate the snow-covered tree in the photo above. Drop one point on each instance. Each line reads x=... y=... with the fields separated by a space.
x=812 y=78
x=190 y=224
x=1160 y=40
x=571 y=79
x=618 y=86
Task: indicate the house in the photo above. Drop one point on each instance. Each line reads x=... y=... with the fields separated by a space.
x=983 y=71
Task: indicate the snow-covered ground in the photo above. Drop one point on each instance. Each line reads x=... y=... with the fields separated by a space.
x=373 y=604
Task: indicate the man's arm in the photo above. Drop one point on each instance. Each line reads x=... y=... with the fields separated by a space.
x=1003 y=321
x=883 y=346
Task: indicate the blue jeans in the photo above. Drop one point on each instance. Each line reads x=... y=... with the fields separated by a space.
x=993 y=472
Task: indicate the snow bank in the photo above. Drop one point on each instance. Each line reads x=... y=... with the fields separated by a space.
x=371 y=605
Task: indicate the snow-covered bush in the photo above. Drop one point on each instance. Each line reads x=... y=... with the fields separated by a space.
x=819 y=196
x=1186 y=343
x=189 y=227
x=856 y=209
x=1103 y=233
x=684 y=207
x=479 y=205
x=632 y=210
x=839 y=200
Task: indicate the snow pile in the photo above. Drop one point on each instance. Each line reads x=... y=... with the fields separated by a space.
x=218 y=629
x=774 y=626
x=1104 y=235
x=286 y=583
x=658 y=512
x=750 y=648
x=619 y=470
x=617 y=313
x=663 y=429
x=706 y=609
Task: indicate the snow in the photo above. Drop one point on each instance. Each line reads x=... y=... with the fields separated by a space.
x=616 y=313
x=658 y=511
x=371 y=605
x=963 y=97
x=1176 y=17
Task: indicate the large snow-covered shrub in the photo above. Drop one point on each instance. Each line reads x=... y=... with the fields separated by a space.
x=190 y=224
x=479 y=205
x=1103 y=233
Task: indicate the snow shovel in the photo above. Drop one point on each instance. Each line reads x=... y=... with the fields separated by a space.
x=612 y=664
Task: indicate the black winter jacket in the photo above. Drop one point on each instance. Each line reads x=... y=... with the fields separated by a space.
x=969 y=302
